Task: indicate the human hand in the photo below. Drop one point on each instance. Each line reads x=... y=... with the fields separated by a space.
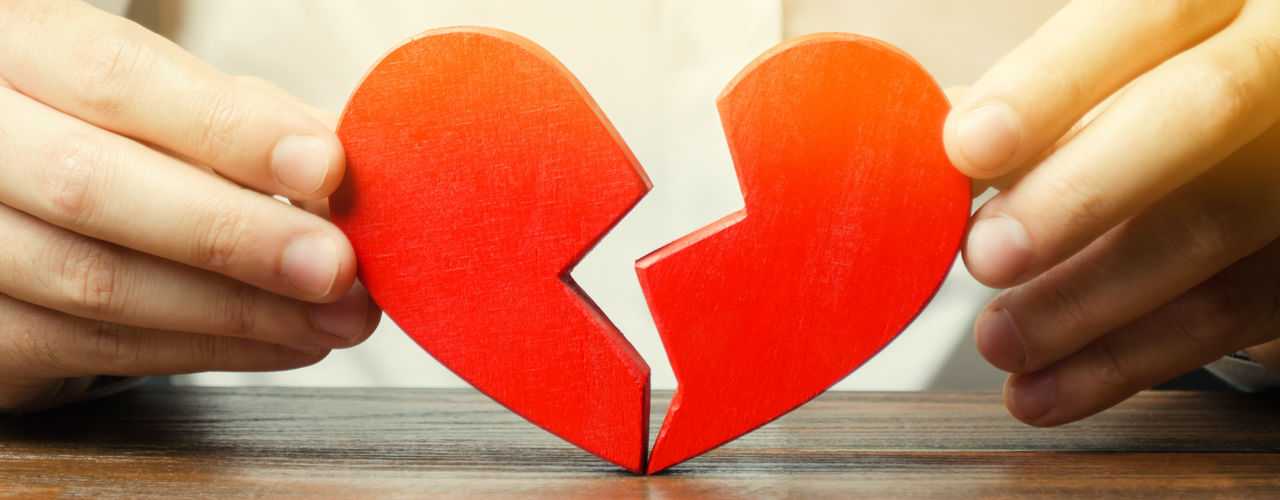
x=137 y=234
x=1137 y=148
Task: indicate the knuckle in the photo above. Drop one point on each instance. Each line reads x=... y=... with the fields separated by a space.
x=1221 y=93
x=222 y=232
x=1110 y=362
x=221 y=120
x=112 y=65
x=30 y=345
x=89 y=276
x=1206 y=316
x=1198 y=235
x=1266 y=47
x=1172 y=15
x=1078 y=199
x=34 y=13
x=72 y=171
x=1058 y=64
x=42 y=352
x=118 y=352
x=1071 y=307
x=239 y=311
x=209 y=350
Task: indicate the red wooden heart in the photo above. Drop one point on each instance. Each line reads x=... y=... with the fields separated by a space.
x=853 y=217
x=479 y=173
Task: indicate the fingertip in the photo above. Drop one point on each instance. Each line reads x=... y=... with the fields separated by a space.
x=319 y=265
x=997 y=251
x=337 y=165
x=982 y=141
x=306 y=161
x=1030 y=398
x=998 y=340
x=347 y=268
x=374 y=319
x=350 y=318
x=312 y=265
x=308 y=166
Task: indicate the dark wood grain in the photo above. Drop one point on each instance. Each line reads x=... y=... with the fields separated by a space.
x=288 y=442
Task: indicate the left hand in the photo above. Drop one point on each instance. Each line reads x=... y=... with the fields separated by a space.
x=138 y=233
x=1137 y=147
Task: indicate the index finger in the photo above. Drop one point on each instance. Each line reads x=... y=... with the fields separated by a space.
x=1083 y=54
x=1170 y=126
x=119 y=76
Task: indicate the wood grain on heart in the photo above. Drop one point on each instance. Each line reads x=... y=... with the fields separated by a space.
x=853 y=216
x=479 y=173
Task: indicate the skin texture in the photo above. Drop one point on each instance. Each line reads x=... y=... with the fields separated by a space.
x=1137 y=153
x=138 y=234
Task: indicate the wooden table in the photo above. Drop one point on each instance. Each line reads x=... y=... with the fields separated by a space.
x=289 y=442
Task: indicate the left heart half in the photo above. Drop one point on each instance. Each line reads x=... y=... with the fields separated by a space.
x=479 y=172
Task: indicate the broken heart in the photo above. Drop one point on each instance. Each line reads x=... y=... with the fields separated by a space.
x=480 y=172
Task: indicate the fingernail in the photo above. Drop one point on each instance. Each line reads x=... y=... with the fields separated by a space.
x=301 y=162
x=346 y=317
x=998 y=250
x=310 y=263
x=999 y=342
x=1033 y=396
x=989 y=136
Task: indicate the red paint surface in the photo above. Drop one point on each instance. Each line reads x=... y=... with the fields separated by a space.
x=479 y=173
x=853 y=217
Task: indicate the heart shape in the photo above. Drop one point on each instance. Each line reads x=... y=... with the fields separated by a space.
x=480 y=172
x=853 y=216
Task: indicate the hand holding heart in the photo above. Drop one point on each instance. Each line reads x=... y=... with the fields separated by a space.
x=137 y=231
x=1137 y=147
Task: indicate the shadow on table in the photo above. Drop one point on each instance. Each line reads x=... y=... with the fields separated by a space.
x=130 y=419
x=394 y=433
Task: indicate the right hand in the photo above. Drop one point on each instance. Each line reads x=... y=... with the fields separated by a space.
x=1135 y=145
x=137 y=231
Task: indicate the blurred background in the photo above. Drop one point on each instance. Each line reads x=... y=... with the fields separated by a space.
x=655 y=68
